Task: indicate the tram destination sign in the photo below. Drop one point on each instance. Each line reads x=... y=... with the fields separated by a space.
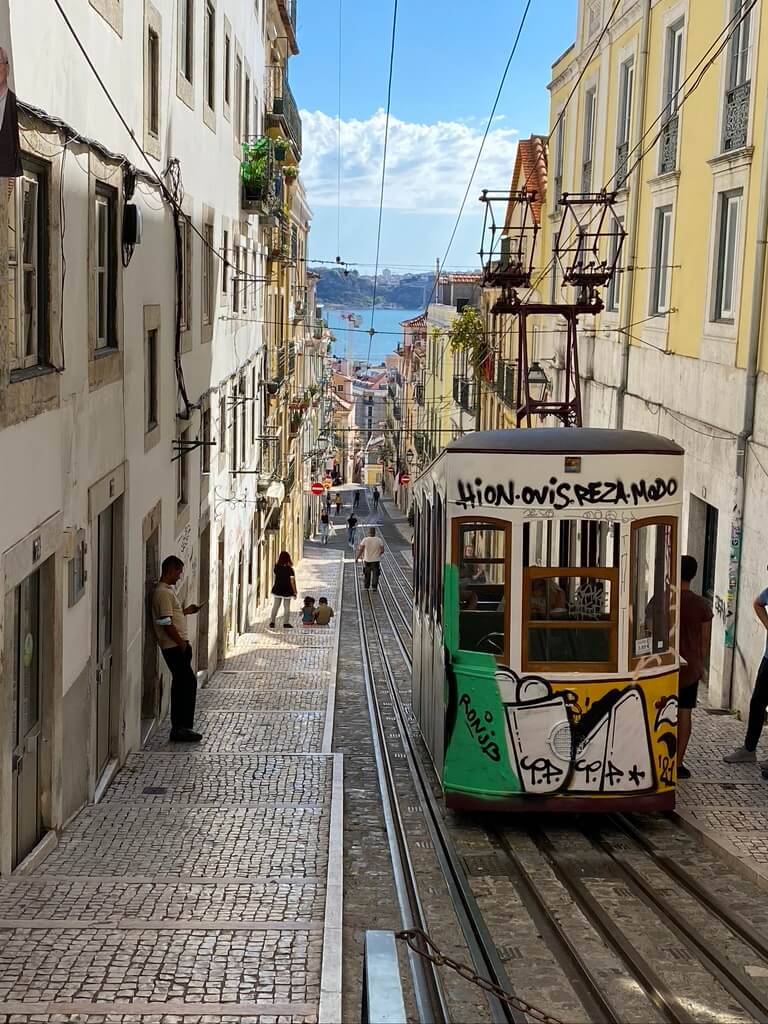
x=559 y=495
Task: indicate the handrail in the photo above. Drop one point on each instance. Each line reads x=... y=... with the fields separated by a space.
x=383 y=1001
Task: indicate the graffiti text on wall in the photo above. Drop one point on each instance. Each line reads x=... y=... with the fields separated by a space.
x=562 y=494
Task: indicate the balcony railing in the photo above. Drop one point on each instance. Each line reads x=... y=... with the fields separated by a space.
x=262 y=183
x=464 y=393
x=279 y=239
x=736 y=117
x=290 y=477
x=291 y=359
x=418 y=394
x=282 y=111
x=280 y=364
x=622 y=162
x=668 y=158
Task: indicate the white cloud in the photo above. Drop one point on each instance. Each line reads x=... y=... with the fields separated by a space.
x=428 y=165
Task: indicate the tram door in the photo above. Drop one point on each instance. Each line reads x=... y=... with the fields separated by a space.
x=104 y=617
x=26 y=717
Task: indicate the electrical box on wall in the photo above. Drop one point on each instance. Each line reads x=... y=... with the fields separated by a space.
x=132 y=225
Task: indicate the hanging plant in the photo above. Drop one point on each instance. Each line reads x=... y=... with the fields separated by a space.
x=467 y=334
x=290 y=172
x=281 y=147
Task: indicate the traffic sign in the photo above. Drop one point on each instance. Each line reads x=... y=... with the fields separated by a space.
x=404 y=479
x=317 y=488
x=327 y=483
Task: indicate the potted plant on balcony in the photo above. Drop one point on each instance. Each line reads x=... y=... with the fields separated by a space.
x=295 y=422
x=290 y=173
x=281 y=147
x=253 y=168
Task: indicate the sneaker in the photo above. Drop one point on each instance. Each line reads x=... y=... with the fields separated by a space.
x=683 y=772
x=740 y=756
x=287 y=625
x=185 y=736
x=271 y=625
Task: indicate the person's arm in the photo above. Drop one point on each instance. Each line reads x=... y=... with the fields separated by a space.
x=360 y=549
x=174 y=634
x=192 y=609
x=759 y=605
x=165 y=619
x=293 y=584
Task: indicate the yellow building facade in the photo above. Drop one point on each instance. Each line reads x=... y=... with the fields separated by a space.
x=665 y=102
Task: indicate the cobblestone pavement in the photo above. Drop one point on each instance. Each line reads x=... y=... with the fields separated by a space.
x=727 y=804
x=206 y=885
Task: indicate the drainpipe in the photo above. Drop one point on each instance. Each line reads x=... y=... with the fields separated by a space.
x=628 y=293
x=742 y=444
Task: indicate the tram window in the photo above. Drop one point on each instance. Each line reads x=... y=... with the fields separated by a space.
x=570 y=619
x=482 y=558
x=417 y=556
x=590 y=544
x=439 y=545
x=427 y=555
x=651 y=582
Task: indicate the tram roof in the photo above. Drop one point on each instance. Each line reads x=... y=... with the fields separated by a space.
x=565 y=441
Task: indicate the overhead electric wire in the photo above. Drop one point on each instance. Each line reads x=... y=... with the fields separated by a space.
x=383 y=174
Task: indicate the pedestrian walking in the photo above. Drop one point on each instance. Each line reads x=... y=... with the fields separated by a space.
x=328 y=502
x=356 y=502
x=283 y=589
x=351 y=527
x=759 y=701
x=325 y=524
x=695 y=635
x=375 y=498
x=170 y=626
x=339 y=504
x=371 y=550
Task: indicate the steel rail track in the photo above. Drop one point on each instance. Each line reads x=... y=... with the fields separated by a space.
x=427 y=986
x=482 y=949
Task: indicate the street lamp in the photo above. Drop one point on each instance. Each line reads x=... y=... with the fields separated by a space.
x=409 y=456
x=538 y=381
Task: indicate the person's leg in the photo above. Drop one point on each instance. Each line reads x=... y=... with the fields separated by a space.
x=375 y=570
x=286 y=610
x=757 y=707
x=366 y=574
x=683 y=733
x=189 y=690
x=275 y=610
x=172 y=658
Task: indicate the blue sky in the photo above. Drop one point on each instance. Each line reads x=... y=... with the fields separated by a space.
x=449 y=58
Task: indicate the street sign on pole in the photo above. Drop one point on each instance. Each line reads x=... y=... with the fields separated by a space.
x=327 y=483
x=317 y=488
x=404 y=479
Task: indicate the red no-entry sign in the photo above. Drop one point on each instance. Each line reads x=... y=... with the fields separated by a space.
x=317 y=488
x=404 y=479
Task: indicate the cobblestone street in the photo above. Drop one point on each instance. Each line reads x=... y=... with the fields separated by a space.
x=206 y=885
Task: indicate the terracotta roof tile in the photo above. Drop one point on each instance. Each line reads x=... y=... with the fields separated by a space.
x=531 y=172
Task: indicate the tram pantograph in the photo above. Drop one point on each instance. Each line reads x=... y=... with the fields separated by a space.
x=545 y=664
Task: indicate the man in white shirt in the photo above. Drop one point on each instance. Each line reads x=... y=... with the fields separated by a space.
x=371 y=549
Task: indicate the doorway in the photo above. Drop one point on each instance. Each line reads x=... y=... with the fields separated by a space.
x=150 y=680
x=104 y=630
x=239 y=616
x=703 y=520
x=221 y=634
x=26 y=774
x=204 y=593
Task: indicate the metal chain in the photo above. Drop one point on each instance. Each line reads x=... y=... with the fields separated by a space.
x=423 y=946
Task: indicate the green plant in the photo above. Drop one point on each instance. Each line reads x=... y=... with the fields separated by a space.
x=253 y=167
x=290 y=172
x=281 y=147
x=467 y=334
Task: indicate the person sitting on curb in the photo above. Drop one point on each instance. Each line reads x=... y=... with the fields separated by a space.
x=308 y=612
x=323 y=613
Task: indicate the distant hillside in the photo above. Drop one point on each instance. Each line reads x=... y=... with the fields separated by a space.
x=355 y=291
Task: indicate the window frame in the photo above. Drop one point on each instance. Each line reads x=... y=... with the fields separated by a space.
x=237 y=114
x=613 y=292
x=227 y=92
x=661 y=282
x=674 y=66
x=670 y=657
x=626 y=99
x=205 y=434
x=151 y=379
x=505 y=528
x=540 y=572
x=739 y=68
x=153 y=82
x=588 y=142
x=106 y=198
x=209 y=58
x=38 y=173
x=186 y=39
x=182 y=478
x=725 y=201
x=208 y=275
x=185 y=232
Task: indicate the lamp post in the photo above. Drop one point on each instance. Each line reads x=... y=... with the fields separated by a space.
x=538 y=381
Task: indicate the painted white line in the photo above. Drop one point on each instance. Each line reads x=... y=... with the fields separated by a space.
x=331 y=972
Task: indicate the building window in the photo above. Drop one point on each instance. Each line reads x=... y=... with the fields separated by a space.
x=225 y=263
x=28 y=269
x=209 y=274
x=205 y=432
x=613 y=298
x=227 y=69
x=186 y=37
x=738 y=86
x=153 y=83
x=590 y=102
x=624 y=127
x=151 y=381
x=223 y=420
x=184 y=257
x=254 y=390
x=238 y=119
x=728 y=217
x=652 y=584
x=106 y=266
x=247 y=108
x=672 y=81
x=181 y=472
x=236 y=407
x=662 y=242
x=210 y=55
x=236 y=282
x=243 y=407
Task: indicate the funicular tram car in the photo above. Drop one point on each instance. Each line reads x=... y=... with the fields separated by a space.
x=545 y=663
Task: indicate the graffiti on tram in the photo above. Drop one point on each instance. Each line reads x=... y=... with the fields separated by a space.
x=600 y=738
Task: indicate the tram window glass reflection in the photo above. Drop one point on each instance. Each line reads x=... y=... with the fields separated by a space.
x=652 y=579
x=417 y=555
x=570 y=618
x=482 y=558
x=565 y=543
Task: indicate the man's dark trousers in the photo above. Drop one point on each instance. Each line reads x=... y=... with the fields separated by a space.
x=371 y=572
x=183 y=686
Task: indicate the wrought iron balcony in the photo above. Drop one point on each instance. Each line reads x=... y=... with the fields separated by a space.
x=279 y=238
x=418 y=394
x=622 y=163
x=262 y=183
x=290 y=477
x=280 y=364
x=287 y=10
x=736 y=117
x=668 y=158
x=291 y=359
x=282 y=112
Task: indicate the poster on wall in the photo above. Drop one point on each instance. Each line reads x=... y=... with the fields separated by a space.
x=10 y=152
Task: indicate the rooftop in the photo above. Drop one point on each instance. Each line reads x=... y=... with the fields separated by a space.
x=565 y=441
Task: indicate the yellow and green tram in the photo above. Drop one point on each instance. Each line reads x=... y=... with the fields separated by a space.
x=545 y=655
